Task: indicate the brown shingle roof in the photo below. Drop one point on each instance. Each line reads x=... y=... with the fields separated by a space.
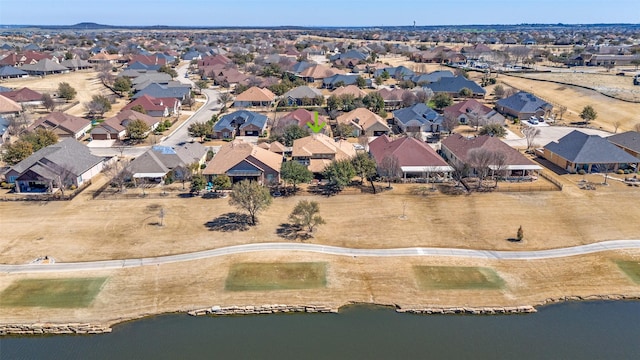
x=460 y=146
x=349 y=90
x=236 y=151
x=361 y=117
x=72 y=124
x=408 y=151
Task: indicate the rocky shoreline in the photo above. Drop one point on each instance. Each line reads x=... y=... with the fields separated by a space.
x=88 y=328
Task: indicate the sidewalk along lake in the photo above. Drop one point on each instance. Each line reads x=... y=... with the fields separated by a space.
x=599 y=330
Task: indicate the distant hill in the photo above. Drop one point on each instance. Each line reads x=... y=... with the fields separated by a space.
x=89 y=25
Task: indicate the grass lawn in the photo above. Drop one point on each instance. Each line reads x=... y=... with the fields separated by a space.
x=276 y=276
x=457 y=278
x=52 y=293
x=631 y=269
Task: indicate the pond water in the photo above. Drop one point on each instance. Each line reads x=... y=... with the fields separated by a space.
x=600 y=330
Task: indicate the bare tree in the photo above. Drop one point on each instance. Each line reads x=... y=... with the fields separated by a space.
x=561 y=110
x=48 y=102
x=424 y=95
x=636 y=127
x=409 y=98
x=498 y=165
x=118 y=173
x=450 y=122
x=616 y=124
x=480 y=159
x=530 y=134
x=476 y=117
x=389 y=168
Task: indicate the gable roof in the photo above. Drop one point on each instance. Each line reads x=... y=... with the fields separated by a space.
x=75 y=63
x=318 y=71
x=524 y=102
x=580 y=148
x=150 y=103
x=72 y=124
x=628 y=140
x=159 y=160
x=119 y=121
x=409 y=151
x=232 y=153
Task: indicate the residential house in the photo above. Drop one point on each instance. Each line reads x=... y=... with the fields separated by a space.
x=76 y=64
x=255 y=97
x=275 y=147
x=318 y=150
x=10 y=72
x=24 y=96
x=456 y=149
x=470 y=111
x=8 y=106
x=243 y=161
x=180 y=92
x=115 y=128
x=4 y=130
x=365 y=122
x=628 y=141
x=423 y=79
x=104 y=58
x=397 y=72
x=578 y=151
x=523 y=105
x=240 y=123
x=63 y=125
x=44 y=67
x=160 y=162
x=352 y=90
x=67 y=162
x=301 y=95
x=413 y=157
x=452 y=86
x=317 y=72
x=144 y=67
x=300 y=117
x=393 y=98
x=156 y=107
x=338 y=80
x=418 y=118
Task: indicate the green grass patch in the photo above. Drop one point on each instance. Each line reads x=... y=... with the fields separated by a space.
x=631 y=269
x=276 y=276
x=457 y=278
x=52 y=293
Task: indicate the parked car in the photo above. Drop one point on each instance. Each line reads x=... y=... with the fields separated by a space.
x=533 y=120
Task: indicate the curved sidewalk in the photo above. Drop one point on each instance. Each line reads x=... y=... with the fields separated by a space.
x=323 y=249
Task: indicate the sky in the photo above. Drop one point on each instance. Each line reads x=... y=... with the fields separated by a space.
x=317 y=13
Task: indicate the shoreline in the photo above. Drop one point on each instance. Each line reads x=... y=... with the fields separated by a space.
x=75 y=328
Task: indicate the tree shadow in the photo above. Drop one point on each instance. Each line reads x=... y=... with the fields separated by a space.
x=514 y=240
x=292 y=232
x=229 y=222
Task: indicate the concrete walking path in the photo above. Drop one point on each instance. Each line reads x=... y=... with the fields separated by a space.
x=323 y=249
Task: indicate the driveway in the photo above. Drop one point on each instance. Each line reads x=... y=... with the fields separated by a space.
x=549 y=134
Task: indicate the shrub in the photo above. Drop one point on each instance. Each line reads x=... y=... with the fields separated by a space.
x=6 y=185
x=73 y=187
x=620 y=171
x=582 y=172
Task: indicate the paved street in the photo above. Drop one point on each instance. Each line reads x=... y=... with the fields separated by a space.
x=331 y=250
